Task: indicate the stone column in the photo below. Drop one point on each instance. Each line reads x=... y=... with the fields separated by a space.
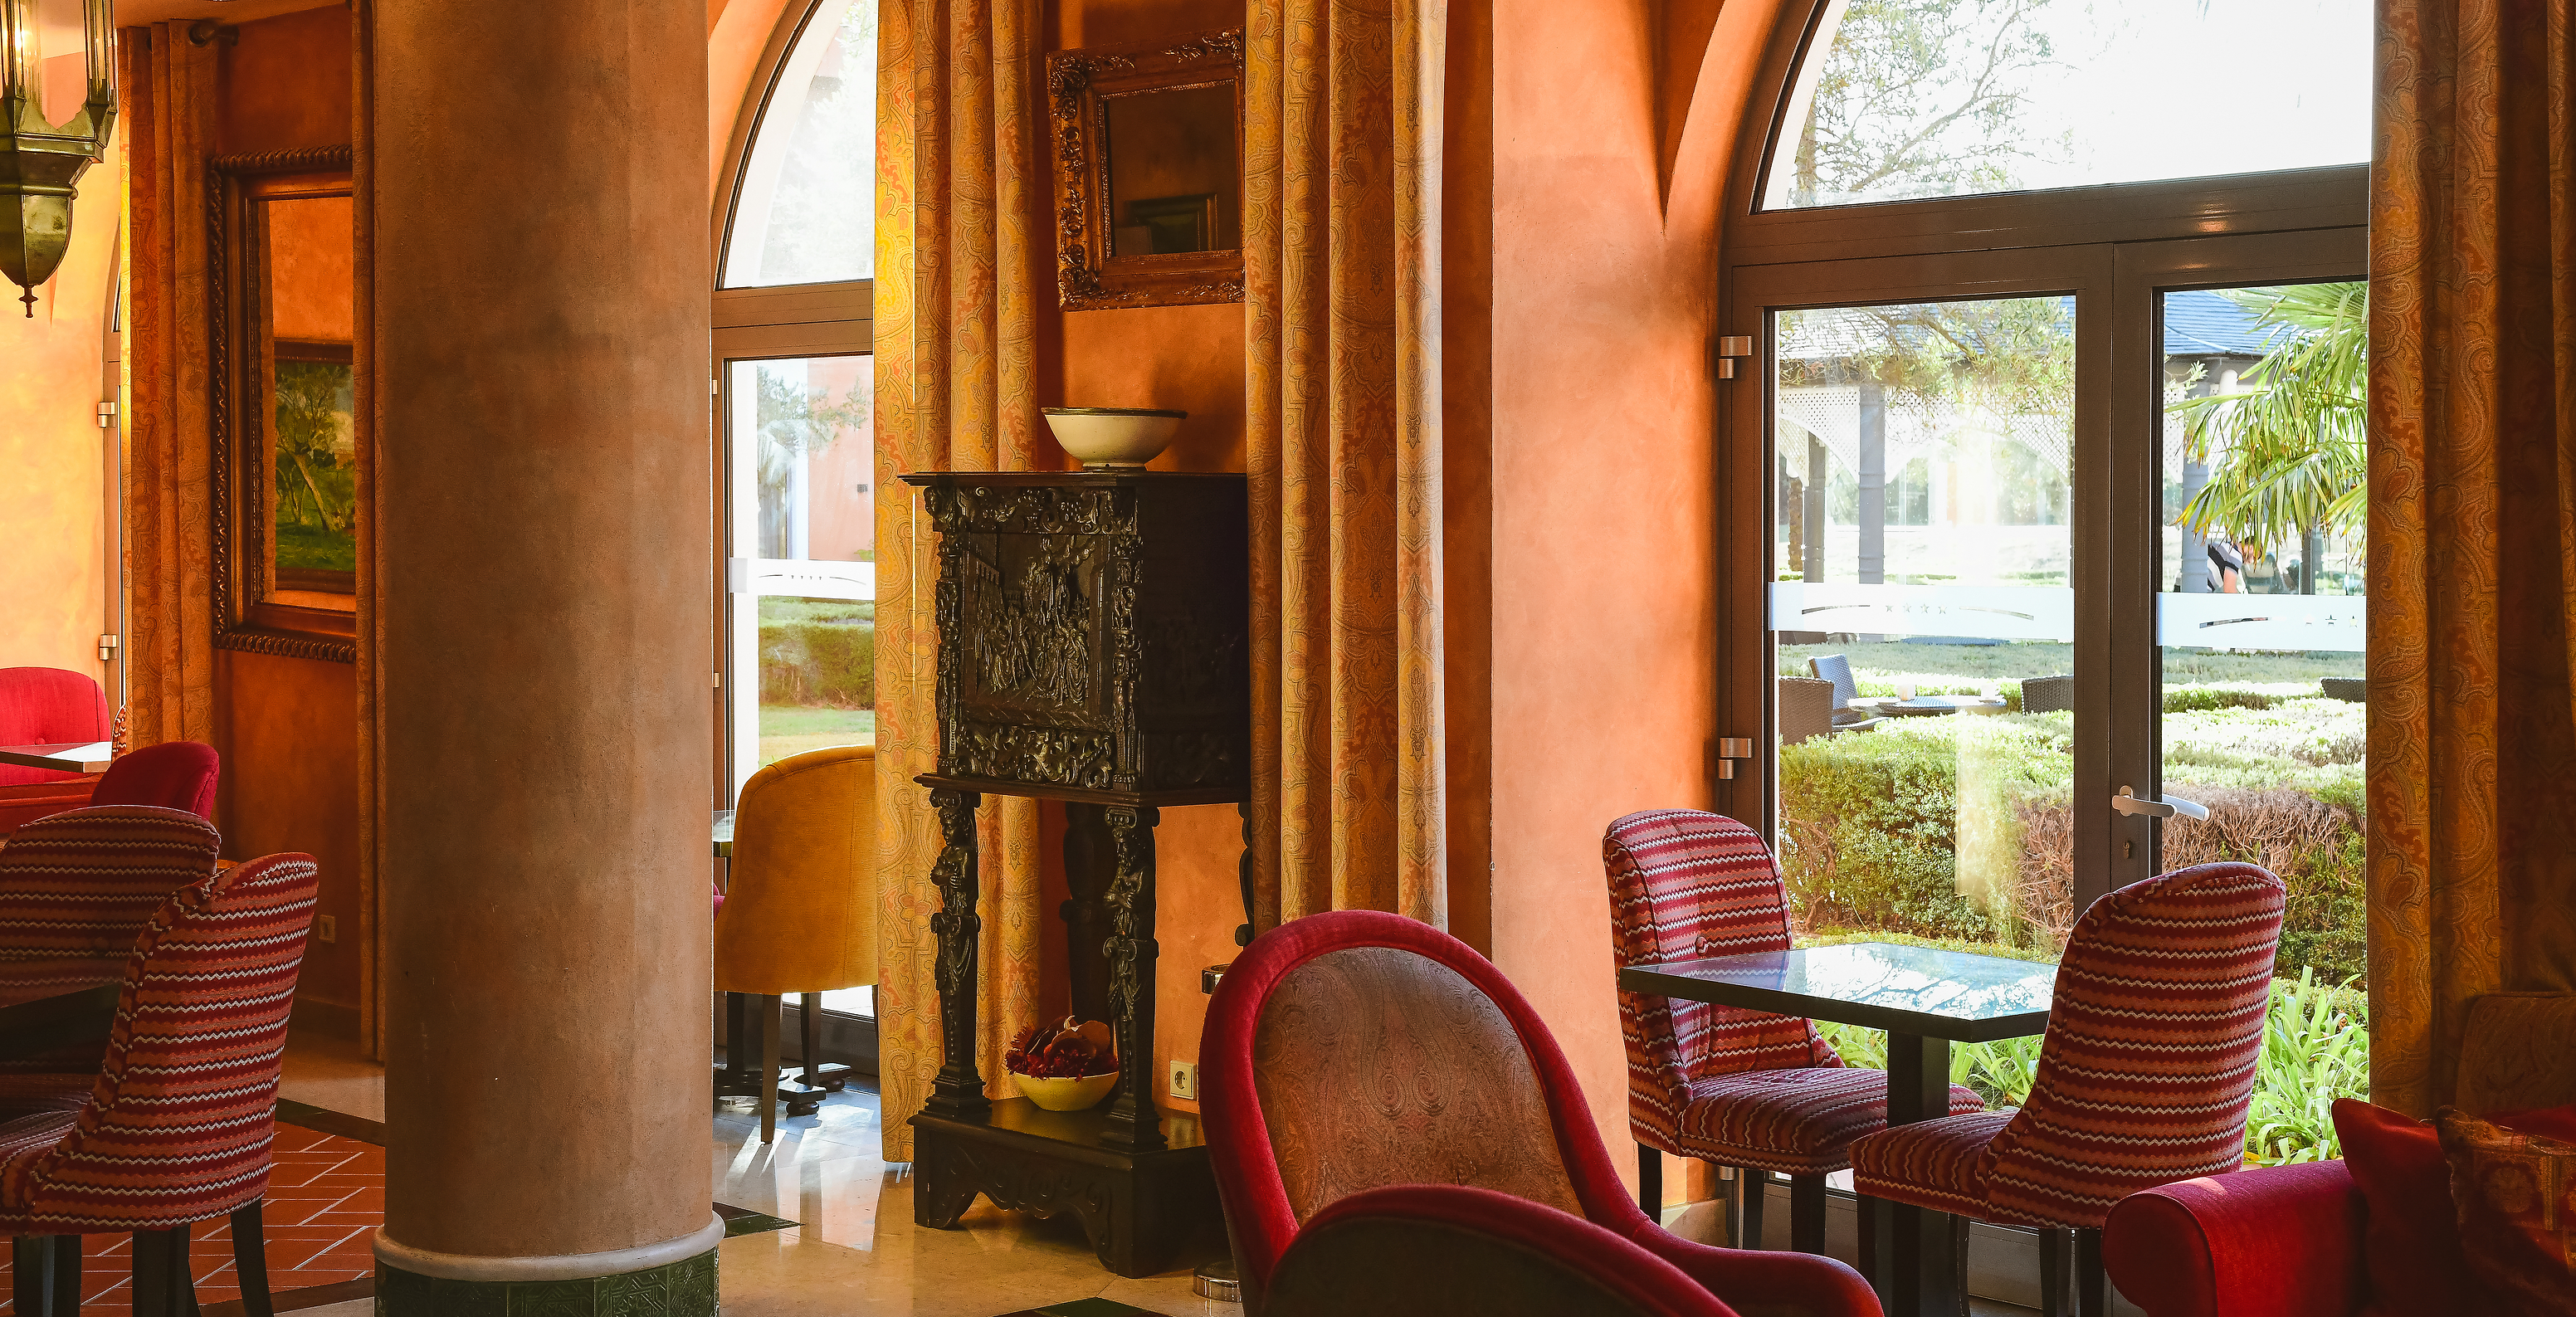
x=543 y=504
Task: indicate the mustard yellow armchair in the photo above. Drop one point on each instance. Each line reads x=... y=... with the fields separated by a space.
x=800 y=912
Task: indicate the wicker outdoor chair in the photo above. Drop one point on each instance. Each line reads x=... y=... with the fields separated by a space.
x=2048 y=695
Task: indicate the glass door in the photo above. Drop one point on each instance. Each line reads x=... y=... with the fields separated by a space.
x=800 y=571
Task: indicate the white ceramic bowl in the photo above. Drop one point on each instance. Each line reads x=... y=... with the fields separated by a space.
x=1113 y=436
x=1066 y=1094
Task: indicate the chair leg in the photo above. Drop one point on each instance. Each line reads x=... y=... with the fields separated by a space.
x=66 y=1278
x=1807 y=1213
x=1650 y=1183
x=769 y=1011
x=1872 y=1268
x=31 y=1273
x=163 y=1283
x=2052 y=1272
x=250 y=1260
x=2092 y=1284
x=809 y=1021
x=1750 y=1187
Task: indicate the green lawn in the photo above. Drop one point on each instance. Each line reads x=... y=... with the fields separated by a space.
x=788 y=729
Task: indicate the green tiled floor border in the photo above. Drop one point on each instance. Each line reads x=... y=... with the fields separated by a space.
x=686 y=1288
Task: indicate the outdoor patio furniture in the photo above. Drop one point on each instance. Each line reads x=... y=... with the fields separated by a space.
x=2145 y=1074
x=2048 y=695
x=1735 y=1087
x=1807 y=711
x=1354 y=1050
x=1836 y=669
x=2351 y=690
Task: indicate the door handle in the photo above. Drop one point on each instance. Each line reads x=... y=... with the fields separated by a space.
x=2163 y=807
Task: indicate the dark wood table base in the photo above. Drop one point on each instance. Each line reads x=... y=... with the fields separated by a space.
x=1141 y=1210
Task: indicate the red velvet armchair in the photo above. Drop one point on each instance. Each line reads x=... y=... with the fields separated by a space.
x=47 y=706
x=1353 y=1051
x=2268 y=1241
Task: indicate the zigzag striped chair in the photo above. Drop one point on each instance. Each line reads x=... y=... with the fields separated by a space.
x=180 y=1120
x=2144 y=1075
x=76 y=889
x=1739 y=1088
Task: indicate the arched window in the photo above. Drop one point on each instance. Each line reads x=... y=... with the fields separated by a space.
x=1900 y=99
x=795 y=391
x=2041 y=357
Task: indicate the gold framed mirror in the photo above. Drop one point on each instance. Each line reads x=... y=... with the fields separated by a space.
x=1149 y=165
x=281 y=259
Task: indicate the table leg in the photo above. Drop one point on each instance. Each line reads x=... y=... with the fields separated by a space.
x=1920 y=1250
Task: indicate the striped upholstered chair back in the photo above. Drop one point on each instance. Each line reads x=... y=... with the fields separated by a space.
x=1685 y=885
x=2147 y=1067
x=179 y=1126
x=76 y=889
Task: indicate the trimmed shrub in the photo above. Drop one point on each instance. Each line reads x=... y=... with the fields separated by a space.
x=830 y=664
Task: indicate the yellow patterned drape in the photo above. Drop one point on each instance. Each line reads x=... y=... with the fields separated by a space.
x=955 y=322
x=2472 y=785
x=1341 y=262
x=169 y=518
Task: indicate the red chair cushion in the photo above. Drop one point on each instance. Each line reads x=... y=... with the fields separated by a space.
x=1796 y=1122
x=2412 y=1240
x=1939 y=1164
x=27 y=802
x=49 y=706
x=172 y=775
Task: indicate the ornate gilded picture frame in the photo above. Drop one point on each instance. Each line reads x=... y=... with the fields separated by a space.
x=1149 y=172
x=283 y=352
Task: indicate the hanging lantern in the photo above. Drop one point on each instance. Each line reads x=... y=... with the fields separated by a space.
x=39 y=161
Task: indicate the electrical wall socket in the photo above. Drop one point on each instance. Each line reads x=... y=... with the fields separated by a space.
x=327 y=928
x=1185 y=1080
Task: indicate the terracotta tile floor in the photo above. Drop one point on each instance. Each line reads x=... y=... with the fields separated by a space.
x=325 y=1200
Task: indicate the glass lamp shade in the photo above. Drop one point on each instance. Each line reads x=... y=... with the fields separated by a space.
x=41 y=160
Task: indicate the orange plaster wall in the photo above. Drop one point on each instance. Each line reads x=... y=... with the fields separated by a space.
x=738 y=35
x=288 y=728
x=54 y=498
x=1603 y=479
x=1188 y=358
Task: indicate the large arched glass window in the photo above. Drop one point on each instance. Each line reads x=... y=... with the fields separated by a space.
x=1902 y=99
x=804 y=208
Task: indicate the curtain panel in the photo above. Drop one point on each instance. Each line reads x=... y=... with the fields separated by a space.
x=1342 y=126
x=169 y=518
x=957 y=162
x=2472 y=783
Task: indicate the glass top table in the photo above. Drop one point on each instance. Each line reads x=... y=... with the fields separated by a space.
x=1954 y=995
x=1925 y=998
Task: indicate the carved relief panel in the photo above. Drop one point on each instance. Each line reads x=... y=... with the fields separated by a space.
x=1094 y=633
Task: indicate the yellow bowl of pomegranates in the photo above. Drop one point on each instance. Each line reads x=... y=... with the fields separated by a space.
x=1069 y=1065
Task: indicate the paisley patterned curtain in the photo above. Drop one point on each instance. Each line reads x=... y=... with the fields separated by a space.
x=1342 y=107
x=169 y=523
x=957 y=157
x=2472 y=527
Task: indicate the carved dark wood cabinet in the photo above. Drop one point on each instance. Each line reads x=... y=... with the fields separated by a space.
x=1094 y=649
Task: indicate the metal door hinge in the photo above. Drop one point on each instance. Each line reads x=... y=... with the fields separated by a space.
x=1730 y=749
x=1732 y=348
x=107 y=416
x=107 y=649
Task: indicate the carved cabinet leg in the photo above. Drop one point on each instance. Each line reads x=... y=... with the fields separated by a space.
x=1132 y=1123
x=944 y=1185
x=957 y=1091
